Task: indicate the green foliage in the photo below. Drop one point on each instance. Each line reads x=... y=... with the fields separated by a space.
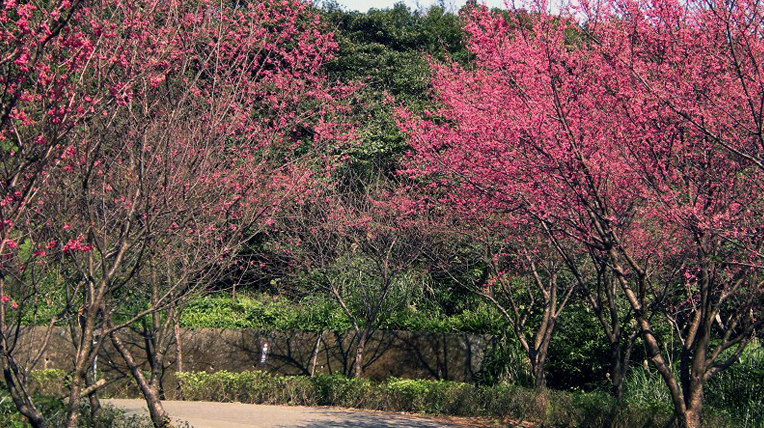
x=264 y=313
x=337 y=390
x=246 y=387
x=316 y=313
x=578 y=354
x=388 y=48
x=55 y=411
x=737 y=392
x=645 y=386
x=505 y=362
x=49 y=382
x=369 y=295
x=388 y=51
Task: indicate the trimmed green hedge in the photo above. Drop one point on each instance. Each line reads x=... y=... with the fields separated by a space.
x=553 y=408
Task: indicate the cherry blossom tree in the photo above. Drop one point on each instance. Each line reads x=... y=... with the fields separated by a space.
x=523 y=277
x=529 y=288
x=353 y=242
x=47 y=49
x=633 y=130
x=176 y=133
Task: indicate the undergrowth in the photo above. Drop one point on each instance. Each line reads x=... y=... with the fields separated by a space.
x=549 y=408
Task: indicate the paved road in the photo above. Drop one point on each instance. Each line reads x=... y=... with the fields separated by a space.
x=237 y=415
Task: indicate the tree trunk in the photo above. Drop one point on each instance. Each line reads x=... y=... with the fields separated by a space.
x=359 y=355
x=314 y=359
x=178 y=345
x=150 y=393
x=690 y=418
x=81 y=366
x=95 y=403
x=618 y=369
x=178 y=352
x=73 y=414
x=693 y=398
x=540 y=349
x=538 y=367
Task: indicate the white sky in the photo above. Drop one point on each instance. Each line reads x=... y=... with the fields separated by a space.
x=454 y=5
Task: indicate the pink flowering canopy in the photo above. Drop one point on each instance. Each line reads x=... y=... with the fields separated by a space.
x=149 y=132
x=625 y=128
x=629 y=128
x=210 y=100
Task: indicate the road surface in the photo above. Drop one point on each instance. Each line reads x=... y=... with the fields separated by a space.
x=201 y=414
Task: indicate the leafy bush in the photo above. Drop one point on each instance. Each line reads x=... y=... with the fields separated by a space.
x=246 y=387
x=48 y=382
x=54 y=411
x=264 y=312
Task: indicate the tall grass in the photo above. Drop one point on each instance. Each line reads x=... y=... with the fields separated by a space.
x=734 y=396
x=738 y=392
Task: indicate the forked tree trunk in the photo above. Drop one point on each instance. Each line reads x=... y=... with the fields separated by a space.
x=539 y=377
x=620 y=355
x=538 y=351
x=150 y=392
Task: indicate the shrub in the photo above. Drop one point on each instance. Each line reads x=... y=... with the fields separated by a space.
x=54 y=411
x=48 y=382
x=247 y=387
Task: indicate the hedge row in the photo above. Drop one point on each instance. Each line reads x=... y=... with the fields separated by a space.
x=553 y=408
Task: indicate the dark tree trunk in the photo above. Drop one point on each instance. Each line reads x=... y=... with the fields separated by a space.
x=619 y=365
x=150 y=392
x=539 y=376
x=359 y=354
